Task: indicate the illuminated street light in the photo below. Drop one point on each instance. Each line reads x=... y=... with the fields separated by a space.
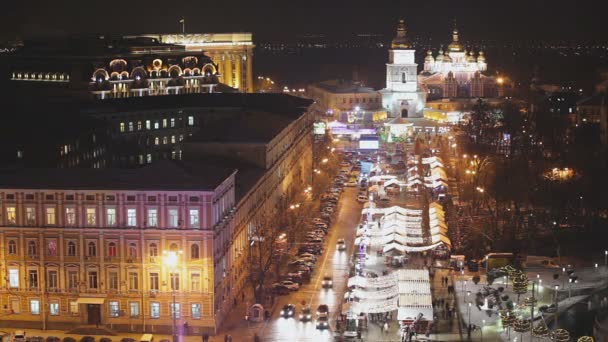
x=324 y=161
x=171 y=260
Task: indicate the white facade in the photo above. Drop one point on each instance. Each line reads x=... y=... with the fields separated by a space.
x=402 y=96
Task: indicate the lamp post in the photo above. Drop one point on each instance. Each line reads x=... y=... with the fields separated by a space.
x=606 y=258
x=469 y=313
x=171 y=259
x=483 y=324
x=556 y=311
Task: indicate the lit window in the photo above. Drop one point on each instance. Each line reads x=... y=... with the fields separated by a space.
x=148 y=158
x=181 y=137
x=134 y=309
x=73 y=307
x=173 y=217
x=165 y=140
x=196 y=310
x=148 y=124
x=93 y=280
x=113 y=280
x=111 y=216
x=194 y=218
x=173 y=139
x=152 y=217
x=13 y=277
x=122 y=127
x=154 y=281
x=11 y=215
x=114 y=309
x=139 y=125
x=191 y=121
x=70 y=216
x=156 y=125
x=30 y=215
x=156 y=141
x=12 y=247
x=91 y=216
x=130 y=126
x=155 y=310
x=133 y=281
x=164 y=123
x=195 y=282
x=52 y=280
x=172 y=122
x=50 y=216
x=35 y=306
x=175 y=310
x=131 y=217
x=51 y=248
x=54 y=308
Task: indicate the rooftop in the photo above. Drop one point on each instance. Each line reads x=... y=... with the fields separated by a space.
x=343 y=87
x=190 y=176
x=594 y=100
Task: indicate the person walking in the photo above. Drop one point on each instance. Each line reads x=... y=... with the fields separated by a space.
x=205 y=337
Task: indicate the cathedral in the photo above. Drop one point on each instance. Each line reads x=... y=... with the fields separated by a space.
x=456 y=73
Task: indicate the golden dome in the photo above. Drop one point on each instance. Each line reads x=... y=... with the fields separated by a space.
x=400 y=41
x=447 y=58
x=455 y=45
x=471 y=57
x=439 y=56
x=429 y=57
x=481 y=58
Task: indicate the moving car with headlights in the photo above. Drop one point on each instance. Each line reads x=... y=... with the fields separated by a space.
x=288 y=311
x=322 y=311
x=341 y=245
x=327 y=282
x=322 y=323
x=305 y=315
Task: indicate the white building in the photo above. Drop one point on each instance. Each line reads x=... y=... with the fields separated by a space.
x=402 y=96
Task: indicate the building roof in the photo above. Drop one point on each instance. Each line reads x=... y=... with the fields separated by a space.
x=162 y=175
x=343 y=87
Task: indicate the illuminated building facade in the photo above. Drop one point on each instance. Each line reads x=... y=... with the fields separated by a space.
x=456 y=73
x=231 y=52
x=402 y=96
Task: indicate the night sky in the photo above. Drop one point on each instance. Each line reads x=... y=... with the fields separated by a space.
x=275 y=20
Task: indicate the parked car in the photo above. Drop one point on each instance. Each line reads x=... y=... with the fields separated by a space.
x=308 y=255
x=289 y=310
x=341 y=245
x=19 y=336
x=305 y=315
x=362 y=199
x=327 y=282
x=280 y=289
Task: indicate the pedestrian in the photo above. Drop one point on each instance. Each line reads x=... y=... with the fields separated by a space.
x=205 y=337
x=234 y=302
x=256 y=338
x=225 y=338
x=385 y=326
x=185 y=328
x=469 y=332
x=242 y=296
x=229 y=338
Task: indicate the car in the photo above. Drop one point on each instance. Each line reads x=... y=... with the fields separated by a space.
x=318 y=220
x=290 y=285
x=321 y=225
x=308 y=255
x=385 y=200
x=280 y=289
x=322 y=310
x=322 y=323
x=19 y=336
x=341 y=245
x=305 y=315
x=327 y=282
x=288 y=311
x=328 y=209
x=315 y=240
x=350 y=184
x=362 y=199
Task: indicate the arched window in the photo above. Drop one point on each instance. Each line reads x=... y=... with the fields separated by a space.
x=12 y=247
x=71 y=248
x=52 y=248
x=194 y=251
x=132 y=250
x=173 y=247
x=112 y=249
x=402 y=77
x=32 y=248
x=153 y=250
x=92 y=249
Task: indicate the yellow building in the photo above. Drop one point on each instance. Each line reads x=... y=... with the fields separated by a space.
x=232 y=52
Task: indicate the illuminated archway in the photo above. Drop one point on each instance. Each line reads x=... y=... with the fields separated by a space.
x=175 y=71
x=101 y=75
x=209 y=69
x=118 y=65
x=139 y=73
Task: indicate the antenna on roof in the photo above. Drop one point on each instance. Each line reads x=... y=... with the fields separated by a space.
x=183 y=22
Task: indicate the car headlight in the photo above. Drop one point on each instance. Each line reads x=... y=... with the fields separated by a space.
x=330 y=282
x=301 y=316
x=308 y=316
x=289 y=313
x=282 y=312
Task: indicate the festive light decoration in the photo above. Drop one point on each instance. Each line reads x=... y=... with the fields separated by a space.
x=541 y=329
x=520 y=284
x=522 y=325
x=561 y=335
x=585 y=339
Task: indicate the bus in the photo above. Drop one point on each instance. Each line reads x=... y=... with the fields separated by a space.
x=498 y=260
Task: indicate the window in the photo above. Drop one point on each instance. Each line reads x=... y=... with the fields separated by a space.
x=156 y=141
x=173 y=247
x=402 y=77
x=155 y=310
x=91 y=216
x=132 y=250
x=32 y=248
x=173 y=217
x=71 y=248
x=92 y=279
x=131 y=198
x=69 y=197
x=52 y=282
x=12 y=247
x=111 y=216
x=194 y=219
x=50 y=216
x=195 y=282
x=172 y=198
x=30 y=215
x=73 y=307
x=172 y=122
x=131 y=217
x=16 y=305
x=175 y=310
x=112 y=249
x=151 y=198
x=35 y=306
x=29 y=196
x=32 y=279
x=133 y=281
x=194 y=251
x=174 y=281
x=70 y=216
x=72 y=279
x=165 y=140
x=156 y=125
x=191 y=121
x=195 y=310
x=11 y=215
x=173 y=139
x=113 y=280
x=147 y=124
x=90 y=197
x=13 y=277
x=152 y=217
x=114 y=309
x=51 y=248
x=154 y=281
x=139 y=125
x=92 y=249
x=122 y=127
x=134 y=309
x=153 y=250
x=130 y=126
x=54 y=308
x=164 y=123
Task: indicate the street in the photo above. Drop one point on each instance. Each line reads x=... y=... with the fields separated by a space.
x=332 y=262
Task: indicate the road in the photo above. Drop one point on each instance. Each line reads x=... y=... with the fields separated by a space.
x=330 y=262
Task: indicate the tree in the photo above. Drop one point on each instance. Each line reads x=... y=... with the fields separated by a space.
x=520 y=284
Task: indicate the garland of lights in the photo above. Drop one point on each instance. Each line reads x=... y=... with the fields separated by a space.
x=561 y=335
x=585 y=339
x=540 y=330
x=522 y=325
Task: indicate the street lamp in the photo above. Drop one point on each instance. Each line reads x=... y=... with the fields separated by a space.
x=556 y=310
x=606 y=258
x=469 y=312
x=171 y=260
x=483 y=324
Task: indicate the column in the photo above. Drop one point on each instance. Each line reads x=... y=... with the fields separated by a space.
x=227 y=79
x=249 y=70
x=238 y=72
